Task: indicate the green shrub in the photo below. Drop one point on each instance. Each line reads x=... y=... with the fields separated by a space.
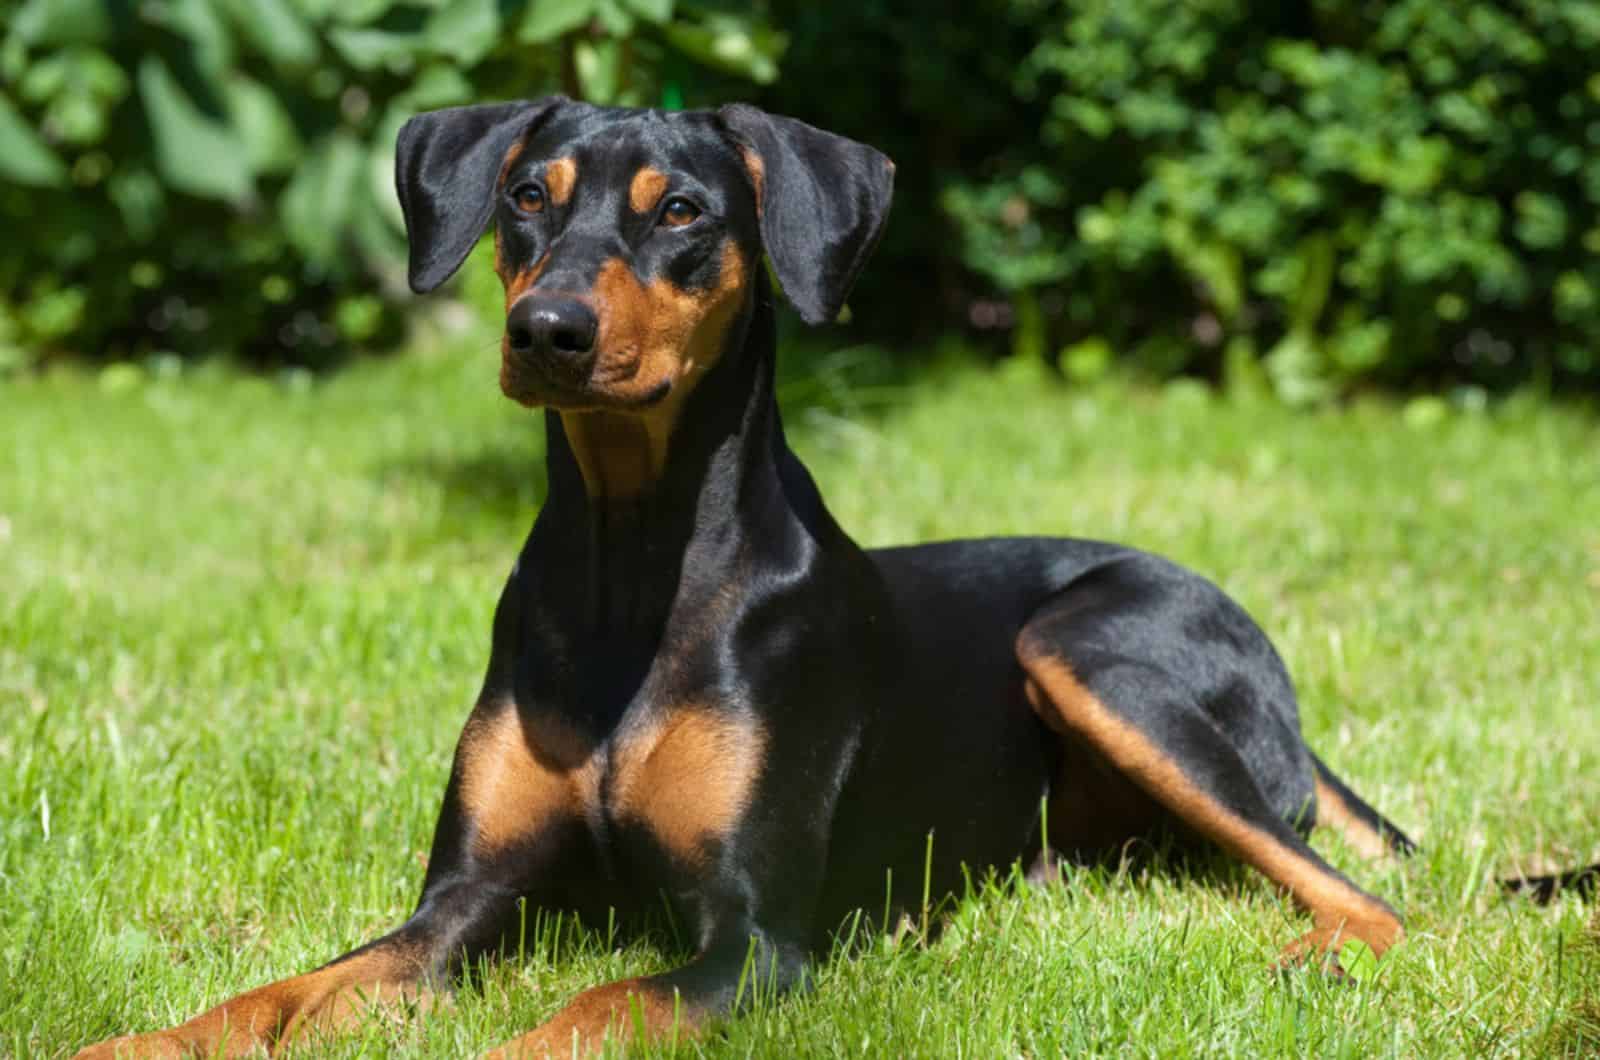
x=1313 y=196
x=930 y=83
x=215 y=175
x=1400 y=192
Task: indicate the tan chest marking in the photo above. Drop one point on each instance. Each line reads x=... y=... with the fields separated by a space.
x=688 y=777
x=518 y=779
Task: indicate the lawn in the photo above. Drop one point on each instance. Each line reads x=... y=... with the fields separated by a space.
x=242 y=620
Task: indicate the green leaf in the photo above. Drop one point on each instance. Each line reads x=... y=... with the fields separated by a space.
x=13 y=60
x=1088 y=361
x=1359 y=345
x=1315 y=259
x=140 y=200
x=1426 y=412
x=599 y=69
x=657 y=11
x=55 y=314
x=347 y=12
x=465 y=31
x=50 y=23
x=548 y=19
x=99 y=75
x=1541 y=222
x=44 y=80
x=380 y=170
x=439 y=85
x=213 y=51
x=80 y=85
x=194 y=152
x=24 y=157
x=738 y=46
x=369 y=49
x=1298 y=369
x=359 y=317
x=1243 y=375
x=77 y=119
x=271 y=142
x=612 y=18
x=275 y=29
x=318 y=204
x=1213 y=262
x=375 y=236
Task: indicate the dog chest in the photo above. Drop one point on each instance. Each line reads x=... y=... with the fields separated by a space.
x=686 y=776
x=682 y=776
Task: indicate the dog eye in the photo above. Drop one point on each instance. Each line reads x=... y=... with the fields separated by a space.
x=678 y=212
x=529 y=198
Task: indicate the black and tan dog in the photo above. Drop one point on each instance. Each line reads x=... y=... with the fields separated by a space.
x=700 y=687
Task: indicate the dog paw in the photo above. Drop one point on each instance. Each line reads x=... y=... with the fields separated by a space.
x=158 y=1046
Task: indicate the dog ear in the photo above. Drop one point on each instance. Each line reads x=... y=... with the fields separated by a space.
x=823 y=201
x=445 y=168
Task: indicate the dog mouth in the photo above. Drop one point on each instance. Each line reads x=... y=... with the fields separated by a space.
x=536 y=383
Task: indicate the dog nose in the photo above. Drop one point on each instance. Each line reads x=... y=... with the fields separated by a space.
x=553 y=325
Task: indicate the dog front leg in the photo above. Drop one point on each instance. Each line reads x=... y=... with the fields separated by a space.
x=504 y=832
x=451 y=921
x=681 y=1003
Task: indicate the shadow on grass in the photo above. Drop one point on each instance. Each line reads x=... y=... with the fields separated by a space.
x=503 y=482
x=1576 y=1030
x=505 y=478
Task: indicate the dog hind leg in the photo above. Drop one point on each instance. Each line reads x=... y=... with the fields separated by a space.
x=1147 y=725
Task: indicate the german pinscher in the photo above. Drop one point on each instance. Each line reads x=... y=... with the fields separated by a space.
x=700 y=689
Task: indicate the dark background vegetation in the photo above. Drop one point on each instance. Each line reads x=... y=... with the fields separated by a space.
x=1305 y=198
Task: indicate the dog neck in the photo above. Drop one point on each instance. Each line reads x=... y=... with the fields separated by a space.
x=642 y=522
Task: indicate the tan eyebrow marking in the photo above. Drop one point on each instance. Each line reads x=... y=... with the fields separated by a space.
x=758 y=175
x=513 y=153
x=559 y=177
x=646 y=189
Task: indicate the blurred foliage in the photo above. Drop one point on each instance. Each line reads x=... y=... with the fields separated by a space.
x=1300 y=198
x=1335 y=192
x=191 y=176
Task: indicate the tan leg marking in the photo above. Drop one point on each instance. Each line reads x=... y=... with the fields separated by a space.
x=333 y=998
x=1339 y=910
x=1333 y=812
x=646 y=189
x=560 y=177
x=1095 y=809
x=689 y=777
x=615 y=1010
x=517 y=778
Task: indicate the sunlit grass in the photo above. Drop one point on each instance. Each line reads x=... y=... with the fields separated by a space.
x=241 y=621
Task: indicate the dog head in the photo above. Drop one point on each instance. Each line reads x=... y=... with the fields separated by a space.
x=627 y=240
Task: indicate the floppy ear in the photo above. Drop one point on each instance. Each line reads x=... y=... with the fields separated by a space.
x=445 y=167
x=823 y=201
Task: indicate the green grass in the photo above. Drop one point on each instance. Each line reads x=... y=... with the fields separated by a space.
x=241 y=623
